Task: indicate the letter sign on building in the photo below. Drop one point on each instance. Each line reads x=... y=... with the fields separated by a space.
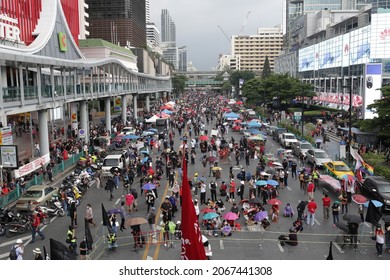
x=62 y=41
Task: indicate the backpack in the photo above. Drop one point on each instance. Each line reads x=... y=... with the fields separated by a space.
x=12 y=254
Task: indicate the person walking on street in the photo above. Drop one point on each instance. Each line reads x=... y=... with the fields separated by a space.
x=83 y=248
x=122 y=214
x=89 y=215
x=213 y=190
x=37 y=254
x=71 y=239
x=35 y=227
x=326 y=206
x=335 y=212
x=311 y=211
x=310 y=190
x=152 y=221
x=301 y=209
x=73 y=214
x=232 y=189
x=379 y=240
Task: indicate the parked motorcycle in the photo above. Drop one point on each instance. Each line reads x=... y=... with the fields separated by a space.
x=21 y=226
x=55 y=209
x=6 y=217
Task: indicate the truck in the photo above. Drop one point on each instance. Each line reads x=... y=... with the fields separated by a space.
x=118 y=159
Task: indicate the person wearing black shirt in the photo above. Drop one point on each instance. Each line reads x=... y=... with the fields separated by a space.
x=83 y=249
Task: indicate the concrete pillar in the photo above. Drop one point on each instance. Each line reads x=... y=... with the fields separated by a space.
x=124 y=108
x=148 y=102
x=135 y=100
x=43 y=132
x=73 y=116
x=84 y=120
x=107 y=110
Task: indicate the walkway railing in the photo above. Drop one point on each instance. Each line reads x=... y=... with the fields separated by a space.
x=39 y=179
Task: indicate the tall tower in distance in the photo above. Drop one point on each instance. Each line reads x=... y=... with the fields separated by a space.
x=168 y=27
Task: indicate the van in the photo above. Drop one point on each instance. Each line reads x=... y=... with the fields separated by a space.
x=120 y=160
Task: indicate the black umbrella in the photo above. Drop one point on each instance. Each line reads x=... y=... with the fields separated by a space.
x=342 y=226
x=115 y=169
x=351 y=218
x=255 y=200
x=270 y=171
x=386 y=219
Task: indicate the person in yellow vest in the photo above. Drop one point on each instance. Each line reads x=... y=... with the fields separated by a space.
x=71 y=240
x=316 y=178
x=111 y=240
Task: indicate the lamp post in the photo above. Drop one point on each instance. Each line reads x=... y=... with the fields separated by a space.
x=350 y=117
x=1 y=176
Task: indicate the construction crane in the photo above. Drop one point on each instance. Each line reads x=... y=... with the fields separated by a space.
x=243 y=25
x=227 y=37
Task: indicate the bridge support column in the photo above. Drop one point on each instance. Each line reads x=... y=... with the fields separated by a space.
x=107 y=110
x=124 y=109
x=135 y=106
x=148 y=102
x=84 y=120
x=73 y=116
x=43 y=131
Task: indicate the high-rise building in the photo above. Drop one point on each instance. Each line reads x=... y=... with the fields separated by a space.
x=153 y=38
x=170 y=54
x=147 y=11
x=121 y=22
x=182 y=58
x=252 y=50
x=83 y=19
x=168 y=27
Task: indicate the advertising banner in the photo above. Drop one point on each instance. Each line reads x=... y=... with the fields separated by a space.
x=32 y=166
x=6 y=136
x=9 y=156
x=380 y=36
x=373 y=82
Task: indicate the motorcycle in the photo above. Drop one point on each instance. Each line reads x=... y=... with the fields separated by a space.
x=6 y=217
x=55 y=209
x=21 y=226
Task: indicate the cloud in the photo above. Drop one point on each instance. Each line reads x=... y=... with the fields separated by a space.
x=197 y=21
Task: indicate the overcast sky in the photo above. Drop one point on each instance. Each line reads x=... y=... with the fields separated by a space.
x=196 y=24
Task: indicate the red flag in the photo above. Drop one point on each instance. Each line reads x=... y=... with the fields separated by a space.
x=191 y=237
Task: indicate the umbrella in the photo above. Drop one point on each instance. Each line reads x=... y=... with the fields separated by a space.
x=386 y=219
x=272 y=183
x=254 y=131
x=226 y=230
x=148 y=187
x=255 y=200
x=256 y=138
x=210 y=215
x=375 y=202
x=130 y=137
x=212 y=158
x=319 y=140
x=183 y=146
x=115 y=169
x=114 y=211
x=261 y=183
x=277 y=164
x=144 y=160
x=230 y=216
x=147 y=133
x=216 y=168
x=253 y=124
x=261 y=216
x=274 y=201
x=262 y=173
x=167 y=112
x=145 y=152
x=135 y=221
x=239 y=103
x=342 y=226
x=203 y=138
x=359 y=199
x=351 y=218
x=347 y=177
x=153 y=130
x=207 y=210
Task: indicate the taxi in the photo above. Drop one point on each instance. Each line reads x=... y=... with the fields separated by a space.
x=337 y=169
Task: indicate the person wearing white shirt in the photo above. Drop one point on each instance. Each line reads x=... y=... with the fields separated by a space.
x=202 y=193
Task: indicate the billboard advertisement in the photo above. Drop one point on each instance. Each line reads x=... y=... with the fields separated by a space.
x=9 y=156
x=380 y=35
x=373 y=82
x=306 y=59
x=360 y=46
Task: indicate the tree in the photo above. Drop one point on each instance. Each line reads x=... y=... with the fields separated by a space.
x=236 y=76
x=266 y=69
x=253 y=91
x=226 y=87
x=178 y=83
x=381 y=123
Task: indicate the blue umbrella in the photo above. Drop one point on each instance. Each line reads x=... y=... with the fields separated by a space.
x=231 y=116
x=375 y=202
x=145 y=152
x=209 y=216
x=248 y=176
x=253 y=124
x=272 y=183
x=261 y=215
x=144 y=159
x=167 y=112
x=153 y=129
x=148 y=187
x=114 y=211
x=261 y=183
x=130 y=137
x=147 y=133
x=254 y=131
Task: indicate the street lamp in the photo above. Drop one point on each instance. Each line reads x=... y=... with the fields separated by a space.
x=350 y=117
x=1 y=176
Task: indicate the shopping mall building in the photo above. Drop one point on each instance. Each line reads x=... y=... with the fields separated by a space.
x=342 y=53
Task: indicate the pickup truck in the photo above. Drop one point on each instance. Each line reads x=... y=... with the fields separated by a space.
x=286 y=139
x=120 y=160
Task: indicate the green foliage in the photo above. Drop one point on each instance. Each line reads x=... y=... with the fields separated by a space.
x=226 y=87
x=237 y=75
x=298 y=132
x=312 y=113
x=378 y=161
x=266 y=69
x=178 y=83
x=253 y=90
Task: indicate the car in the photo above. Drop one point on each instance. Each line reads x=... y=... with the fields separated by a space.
x=39 y=195
x=128 y=130
x=378 y=188
x=337 y=169
x=300 y=147
x=277 y=132
x=286 y=139
x=271 y=129
x=317 y=157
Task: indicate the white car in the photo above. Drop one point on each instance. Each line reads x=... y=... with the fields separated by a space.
x=317 y=157
x=286 y=139
x=128 y=130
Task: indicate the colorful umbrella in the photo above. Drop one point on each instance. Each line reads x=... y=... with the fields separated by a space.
x=230 y=216
x=203 y=138
x=261 y=216
x=348 y=177
x=148 y=187
x=210 y=215
x=207 y=210
x=216 y=168
x=272 y=183
x=135 y=221
x=130 y=137
x=359 y=199
x=212 y=158
x=261 y=183
x=274 y=201
x=375 y=202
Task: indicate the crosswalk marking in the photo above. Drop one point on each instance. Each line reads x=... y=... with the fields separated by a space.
x=221 y=245
x=280 y=248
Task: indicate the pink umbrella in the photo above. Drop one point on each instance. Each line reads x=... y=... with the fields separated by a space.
x=230 y=216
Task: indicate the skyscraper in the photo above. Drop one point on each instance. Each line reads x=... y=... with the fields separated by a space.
x=182 y=58
x=168 y=27
x=121 y=22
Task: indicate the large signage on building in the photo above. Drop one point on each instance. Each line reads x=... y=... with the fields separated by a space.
x=380 y=35
x=372 y=84
x=9 y=29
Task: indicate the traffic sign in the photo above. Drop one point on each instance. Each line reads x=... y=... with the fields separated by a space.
x=81 y=133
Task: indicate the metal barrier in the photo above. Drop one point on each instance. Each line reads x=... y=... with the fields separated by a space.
x=39 y=179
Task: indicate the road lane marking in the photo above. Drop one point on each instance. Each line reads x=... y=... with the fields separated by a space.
x=13 y=241
x=317 y=222
x=289 y=188
x=338 y=247
x=117 y=201
x=149 y=258
x=280 y=248
x=221 y=246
